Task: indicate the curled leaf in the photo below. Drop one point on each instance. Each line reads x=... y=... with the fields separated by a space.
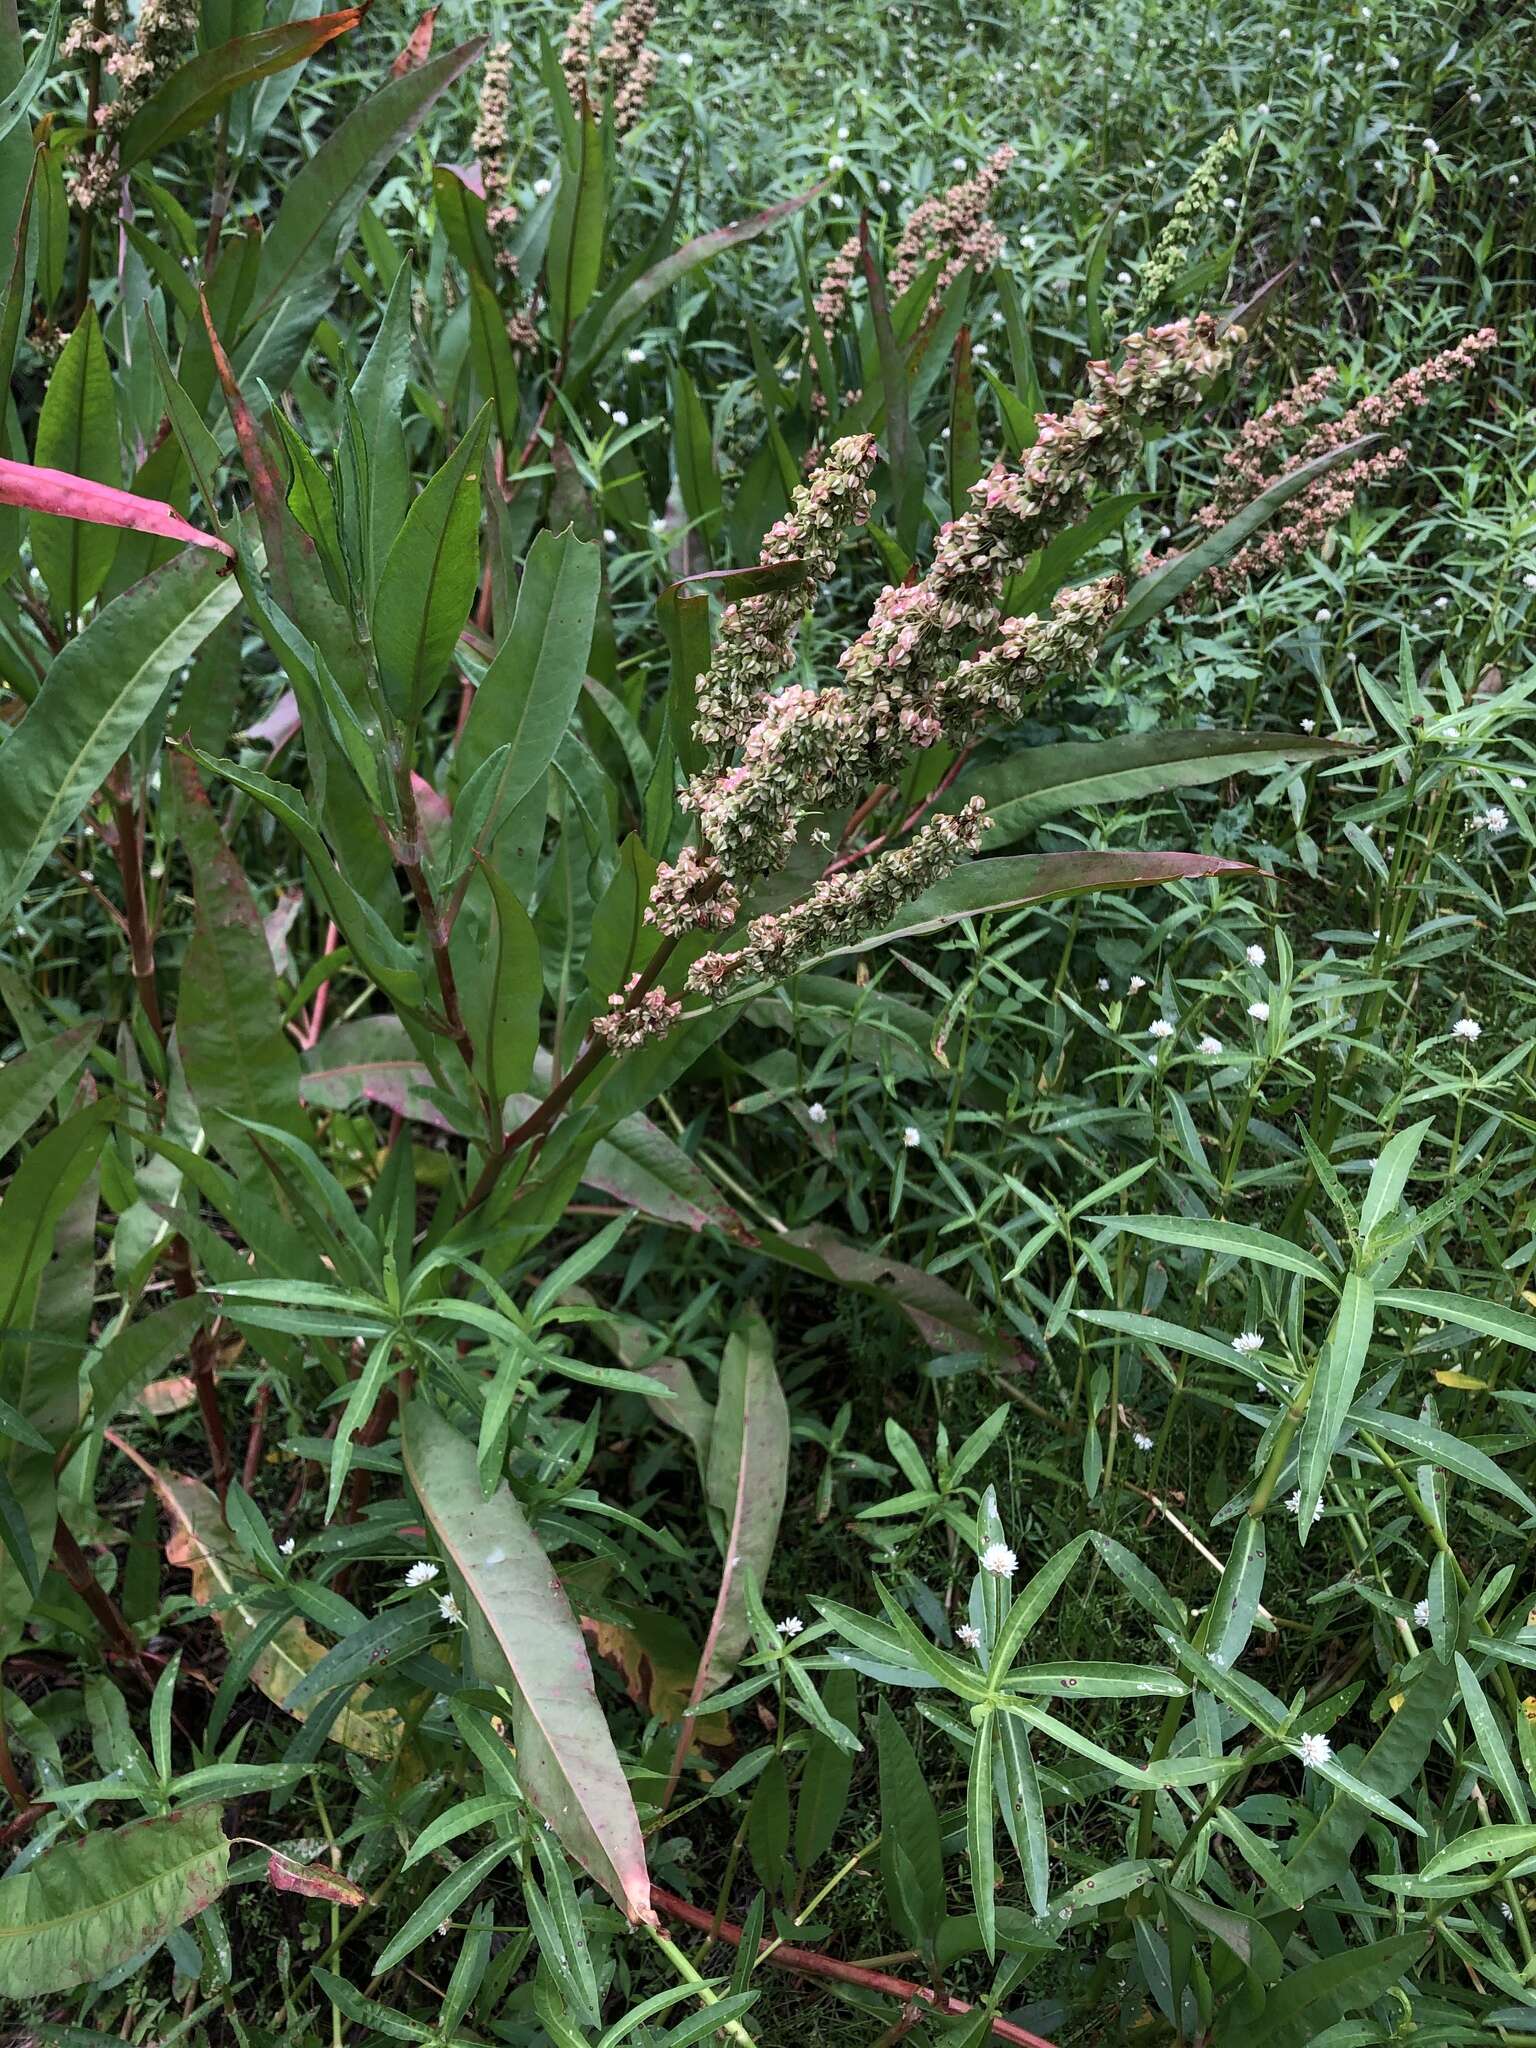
x=313 y=1881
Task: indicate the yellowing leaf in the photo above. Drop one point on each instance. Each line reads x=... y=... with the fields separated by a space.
x=1449 y=1377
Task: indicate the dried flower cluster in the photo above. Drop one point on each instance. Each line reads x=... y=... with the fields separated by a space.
x=836 y=283
x=623 y=70
x=952 y=229
x=630 y=1023
x=490 y=146
x=691 y=895
x=1273 y=444
x=164 y=33
x=1199 y=199
x=845 y=906
x=576 y=51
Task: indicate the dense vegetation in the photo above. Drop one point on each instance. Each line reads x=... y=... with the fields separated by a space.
x=769 y=1066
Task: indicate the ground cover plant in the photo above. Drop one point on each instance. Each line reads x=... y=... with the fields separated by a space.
x=767 y=1107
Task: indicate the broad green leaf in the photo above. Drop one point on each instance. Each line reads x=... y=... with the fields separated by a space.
x=823 y=1792
x=429 y=579
x=1015 y=880
x=30 y=1083
x=528 y=695
x=1023 y=1809
x=1031 y=784
x=576 y=234
x=745 y=1481
x=508 y=1035
x=140 y=1352
x=97 y=693
x=981 y=1831
x=566 y=1758
x=1389 y=1176
x=87 y=1906
x=911 y=1846
x=301 y=259
x=194 y=92
x=1339 y=1366
x=77 y=432
x=1303 y=2006
x=1502 y=1842
x=378 y=395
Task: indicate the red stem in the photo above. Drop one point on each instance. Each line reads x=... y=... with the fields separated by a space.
x=806 y=1962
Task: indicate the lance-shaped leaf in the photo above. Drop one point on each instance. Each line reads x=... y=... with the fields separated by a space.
x=30 y=1083
x=520 y=1618
x=226 y=1581
x=77 y=433
x=60 y=494
x=194 y=92
x=86 y=1906
x=1032 y=784
x=745 y=1480
x=97 y=693
x=1014 y=881
x=429 y=579
x=576 y=233
x=1339 y=1367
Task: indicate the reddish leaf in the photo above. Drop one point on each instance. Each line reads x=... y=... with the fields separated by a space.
x=313 y=1881
x=55 y=491
x=418 y=48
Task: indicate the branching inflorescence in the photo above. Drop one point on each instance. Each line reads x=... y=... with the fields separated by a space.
x=952 y=229
x=936 y=661
x=165 y=32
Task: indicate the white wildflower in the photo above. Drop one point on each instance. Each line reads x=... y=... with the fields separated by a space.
x=999 y=1560
x=634 y=355
x=1141 y=1440
x=1160 y=1028
x=1138 y=983
x=1250 y=1340
x=1314 y=1749
x=912 y=1137
x=1211 y=1047
x=1322 y=615
x=1467 y=1028
x=1421 y=1614
x=1256 y=956
x=542 y=187
x=421 y=1573
x=1309 y=725
x=620 y=419
x=971 y=1637
x=448 y=1608
x=1259 y=1012
x=1431 y=147
x=791 y=1625
x=286 y=1546
x=817 y=1112
x=1494 y=819
x=1529 y=579
x=1293 y=1502
x=685 y=58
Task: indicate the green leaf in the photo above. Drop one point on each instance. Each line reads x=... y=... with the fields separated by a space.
x=430 y=578
x=528 y=695
x=1161 y=586
x=21 y=95
x=1017 y=880
x=1031 y=1603
x=1431 y=1446
x=911 y=1846
x=1238 y=1240
x=520 y=1617
x=824 y=1783
x=508 y=1037
x=239 y=1061
x=441 y=1901
x=1303 y=2005
x=140 y=1352
x=1467 y=1312
x=301 y=259
x=1389 y=1176
x=1492 y=1744
x=31 y=1082
x=1031 y=784
x=1339 y=1366
x=77 y=433
x=693 y=452
x=97 y=693
x=575 y=257
x=1023 y=1809
x=980 y=1831
x=1236 y=1605
x=87 y=1906
x=745 y=1480
x=1502 y=1842
x=194 y=92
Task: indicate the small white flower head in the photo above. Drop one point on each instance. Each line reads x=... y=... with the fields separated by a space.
x=837 y=163
x=842 y=134
x=1141 y=1440
x=959 y=163
x=1494 y=819
x=912 y=1137
x=634 y=355
x=1159 y=1028
x=971 y=1637
x=685 y=58
x=658 y=522
x=1211 y=1047
x=1102 y=984
x=448 y=1608
x=1467 y=1028
x=1515 y=782
x=1529 y=579
x=1259 y=1012
x=620 y=419
x=1314 y=1749
x=999 y=1560
x=286 y=1546
x=1322 y=615
x=1309 y=725
x=791 y=1625
x=610 y=535
x=837 y=200
x=1421 y=1614
x=1431 y=147
x=542 y=187
x=1316 y=221
x=883 y=187
x=1122 y=277
x=817 y=1112
x=1249 y=1340
x=421 y=1573
x=1138 y=983
x=1256 y=956
x=1293 y=1503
